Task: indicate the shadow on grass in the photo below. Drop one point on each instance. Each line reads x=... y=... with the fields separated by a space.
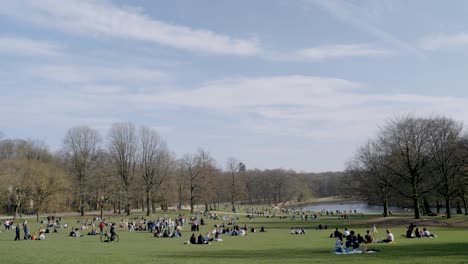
x=413 y=251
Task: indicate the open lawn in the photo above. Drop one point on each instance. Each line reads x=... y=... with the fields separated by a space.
x=274 y=246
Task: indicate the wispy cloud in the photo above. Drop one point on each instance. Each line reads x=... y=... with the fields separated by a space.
x=444 y=41
x=70 y=74
x=295 y=104
x=24 y=46
x=358 y=17
x=332 y=52
x=95 y=18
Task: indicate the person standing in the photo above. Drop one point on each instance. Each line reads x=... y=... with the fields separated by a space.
x=18 y=230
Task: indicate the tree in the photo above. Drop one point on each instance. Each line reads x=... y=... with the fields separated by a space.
x=404 y=142
x=235 y=169
x=207 y=172
x=153 y=162
x=45 y=180
x=191 y=168
x=123 y=146
x=369 y=175
x=447 y=158
x=80 y=147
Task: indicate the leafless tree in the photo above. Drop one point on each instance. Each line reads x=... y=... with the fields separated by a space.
x=191 y=167
x=154 y=162
x=80 y=148
x=207 y=174
x=405 y=142
x=447 y=158
x=123 y=146
x=369 y=175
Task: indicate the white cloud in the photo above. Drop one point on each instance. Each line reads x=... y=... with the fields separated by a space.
x=95 y=18
x=361 y=17
x=25 y=46
x=332 y=52
x=443 y=41
x=91 y=74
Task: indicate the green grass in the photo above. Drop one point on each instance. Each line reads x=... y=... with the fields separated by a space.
x=274 y=246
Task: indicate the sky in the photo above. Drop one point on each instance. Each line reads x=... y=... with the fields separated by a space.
x=293 y=84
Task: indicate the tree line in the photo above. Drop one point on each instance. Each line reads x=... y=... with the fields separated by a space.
x=414 y=160
x=133 y=168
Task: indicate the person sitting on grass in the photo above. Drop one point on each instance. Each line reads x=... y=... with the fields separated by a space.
x=201 y=240
x=262 y=229
x=368 y=237
x=351 y=241
x=409 y=233
x=426 y=233
x=417 y=233
x=390 y=237
x=193 y=239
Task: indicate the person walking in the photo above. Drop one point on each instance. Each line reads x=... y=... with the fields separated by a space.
x=18 y=230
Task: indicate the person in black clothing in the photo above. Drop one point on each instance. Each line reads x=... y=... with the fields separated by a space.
x=360 y=239
x=112 y=232
x=351 y=241
x=193 y=240
x=409 y=233
x=18 y=230
x=200 y=240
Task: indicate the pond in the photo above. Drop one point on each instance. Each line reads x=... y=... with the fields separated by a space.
x=360 y=207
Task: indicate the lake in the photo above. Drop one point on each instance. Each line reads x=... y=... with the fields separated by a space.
x=360 y=207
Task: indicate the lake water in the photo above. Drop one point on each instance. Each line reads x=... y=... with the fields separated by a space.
x=360 y=207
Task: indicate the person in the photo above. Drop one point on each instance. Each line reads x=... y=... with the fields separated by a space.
x=368 y=237
x=262 y=229
x=101 y=227
x=374 y=230
x=390 y=237
x=112 y=232
x=18 y=230
x=409 y=233
x=201 y=240
x=351 y=241
x=346 y=233
x=417 y=233
x=193 y=240
x=426 y=233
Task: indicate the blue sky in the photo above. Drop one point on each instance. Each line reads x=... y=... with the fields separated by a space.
x=274 y=83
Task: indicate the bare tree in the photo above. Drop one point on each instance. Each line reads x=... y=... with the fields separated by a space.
x=153 y=162
x=81 y=147
x=405 y=142
x=447 y=158
x=207 y=171
x=235 y=169
x=191 y=167
x=45 y=180
x=123 y=146
x=370 y=177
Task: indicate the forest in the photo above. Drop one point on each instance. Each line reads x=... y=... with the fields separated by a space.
x=413 y=161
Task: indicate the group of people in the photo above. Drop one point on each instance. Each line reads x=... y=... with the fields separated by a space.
x=414 y=232
x=297 y=231
x=348 y=239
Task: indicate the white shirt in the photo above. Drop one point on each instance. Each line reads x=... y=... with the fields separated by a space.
x=390 y=237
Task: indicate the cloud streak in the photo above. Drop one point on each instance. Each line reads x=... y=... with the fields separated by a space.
x=445 y=41
x=357 y=17
x=102 y=18
x=332 y=52
x=27 y=47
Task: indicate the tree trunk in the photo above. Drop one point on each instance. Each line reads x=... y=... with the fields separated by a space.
x=438 y=207
x=148 y=210
x=81 y=205
x=37 y=215
x=447 y=208
x=465 y=205
x=102 y=211
x=385 y=208
x=417 y=214
x=459 y=210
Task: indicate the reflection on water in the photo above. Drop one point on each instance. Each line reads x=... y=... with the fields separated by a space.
x=360 y=207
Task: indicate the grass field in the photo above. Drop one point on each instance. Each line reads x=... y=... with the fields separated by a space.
x=274 y=246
